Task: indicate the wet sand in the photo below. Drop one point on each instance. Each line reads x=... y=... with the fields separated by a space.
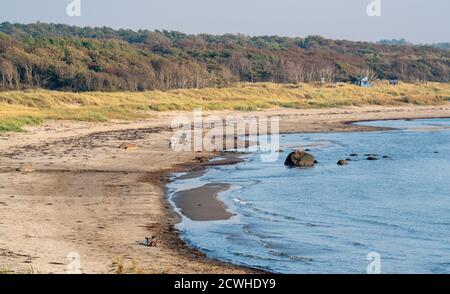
x=201 y=204
x=68 y=187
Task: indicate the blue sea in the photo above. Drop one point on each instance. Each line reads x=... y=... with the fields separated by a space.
x=327 y=219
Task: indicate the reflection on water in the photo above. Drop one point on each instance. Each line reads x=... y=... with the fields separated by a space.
x=328 y=218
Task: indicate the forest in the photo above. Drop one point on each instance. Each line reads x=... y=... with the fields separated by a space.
x=80 y=59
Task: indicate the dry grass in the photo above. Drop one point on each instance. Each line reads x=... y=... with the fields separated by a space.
x=21 y=108
x=118 y=267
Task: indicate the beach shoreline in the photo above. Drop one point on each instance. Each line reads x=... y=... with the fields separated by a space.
x=83 y=193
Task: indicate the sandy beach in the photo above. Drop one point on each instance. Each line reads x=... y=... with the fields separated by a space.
x=69 y=187
x=197 y=204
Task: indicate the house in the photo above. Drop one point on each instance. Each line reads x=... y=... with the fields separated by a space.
x=394 y=81
x=362 y=82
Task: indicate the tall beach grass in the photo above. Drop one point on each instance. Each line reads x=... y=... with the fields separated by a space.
x=20 y=108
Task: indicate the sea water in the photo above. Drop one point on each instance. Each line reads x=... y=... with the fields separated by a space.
x=328 y=218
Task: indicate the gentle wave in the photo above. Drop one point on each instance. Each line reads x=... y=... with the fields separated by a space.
x=328 y=218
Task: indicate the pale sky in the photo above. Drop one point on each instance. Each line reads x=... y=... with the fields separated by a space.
x=419 y=21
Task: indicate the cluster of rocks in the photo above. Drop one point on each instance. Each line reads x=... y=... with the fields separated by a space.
x=301 y=158
x=369 y=156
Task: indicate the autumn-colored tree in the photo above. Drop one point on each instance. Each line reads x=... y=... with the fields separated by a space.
x=62 y=57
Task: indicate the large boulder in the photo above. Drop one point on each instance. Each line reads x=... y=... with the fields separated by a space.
x=300 y=159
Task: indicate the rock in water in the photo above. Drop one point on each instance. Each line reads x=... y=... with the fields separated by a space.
x=300 y=159
x=342 y=162
x=372 y=158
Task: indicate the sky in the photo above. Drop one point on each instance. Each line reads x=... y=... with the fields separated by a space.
x=418 y=21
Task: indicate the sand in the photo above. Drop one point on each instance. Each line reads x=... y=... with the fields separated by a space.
x=68 y=187
x=201 y=204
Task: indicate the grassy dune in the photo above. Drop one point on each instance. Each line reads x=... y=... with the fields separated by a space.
x=19 y=108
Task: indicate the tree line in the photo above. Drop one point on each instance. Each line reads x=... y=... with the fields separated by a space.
x=62 y=57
